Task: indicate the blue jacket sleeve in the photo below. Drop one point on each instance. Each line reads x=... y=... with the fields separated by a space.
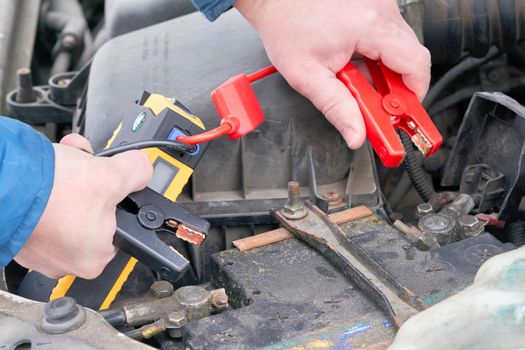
x=27 y=168
x=212 y=9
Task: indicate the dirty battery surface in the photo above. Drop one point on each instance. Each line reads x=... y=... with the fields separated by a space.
x=286 y=294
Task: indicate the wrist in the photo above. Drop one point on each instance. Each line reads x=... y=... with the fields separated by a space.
x=250 y=10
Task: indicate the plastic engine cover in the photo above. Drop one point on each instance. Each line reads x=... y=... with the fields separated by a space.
x=186 y=58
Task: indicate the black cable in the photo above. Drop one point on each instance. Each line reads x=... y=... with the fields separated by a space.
x=174 y=145
x=516 y=233
x=113 y=317
x=455 y=72
x=467 y=92
x=414 y=169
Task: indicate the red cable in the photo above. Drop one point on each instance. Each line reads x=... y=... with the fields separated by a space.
x=206 y=136
x=261 y=73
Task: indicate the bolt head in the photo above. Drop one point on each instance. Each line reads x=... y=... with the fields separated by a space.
x=162 y=289
x=294 y=212
x=61 y=308
x=424 y=209
x=177 y=319
x=468 y=221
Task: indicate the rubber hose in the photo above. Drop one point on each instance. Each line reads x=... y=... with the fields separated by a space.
x=454 y=27
x=415 y=170
x=455 y=72
x=516 y=233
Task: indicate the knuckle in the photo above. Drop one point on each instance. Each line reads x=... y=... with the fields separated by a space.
x=299 y=83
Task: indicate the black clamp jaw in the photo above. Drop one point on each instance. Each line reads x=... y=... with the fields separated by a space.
x=141 y=215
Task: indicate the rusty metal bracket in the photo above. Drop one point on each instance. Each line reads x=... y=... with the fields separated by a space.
x=318 y=231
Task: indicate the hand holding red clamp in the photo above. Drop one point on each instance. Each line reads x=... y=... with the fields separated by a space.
x=389 y=106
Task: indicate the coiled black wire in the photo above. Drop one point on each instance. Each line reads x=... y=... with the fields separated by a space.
x=415 y=171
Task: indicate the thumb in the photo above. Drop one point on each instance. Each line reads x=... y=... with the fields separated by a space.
x=134 y=171
x=332 y=98
x=77 y=141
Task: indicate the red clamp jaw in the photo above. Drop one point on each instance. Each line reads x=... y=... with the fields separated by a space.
x=392 y=106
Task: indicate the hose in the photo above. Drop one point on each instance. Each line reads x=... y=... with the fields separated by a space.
x=415 y=171
x=516 y=233
x=455 y=72
x=452 y=28
x=464 y=93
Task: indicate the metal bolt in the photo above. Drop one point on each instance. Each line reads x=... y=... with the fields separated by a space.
x=62 y=315
x=219 y=299
x=25 y=92
x=176 y=321
x=426 y=242
x=294 y=209
x=424 y=209
x=162 y=289
x=470 y=226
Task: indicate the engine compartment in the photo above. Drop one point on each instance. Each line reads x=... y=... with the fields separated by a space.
x=432 y=222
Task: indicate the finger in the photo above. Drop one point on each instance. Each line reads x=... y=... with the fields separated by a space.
x=77 y=141
x=332 y=98
x=131 y=171
x=400 y=51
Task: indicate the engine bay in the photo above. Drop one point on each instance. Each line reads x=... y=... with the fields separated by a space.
x=311 y=244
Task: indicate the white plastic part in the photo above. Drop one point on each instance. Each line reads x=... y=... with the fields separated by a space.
x=490 y=314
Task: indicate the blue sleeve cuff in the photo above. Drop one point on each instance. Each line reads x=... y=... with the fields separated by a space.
x=212 y=9
x=27 y=168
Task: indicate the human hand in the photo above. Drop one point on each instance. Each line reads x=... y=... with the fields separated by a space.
x=75 y=233
x=309 y=41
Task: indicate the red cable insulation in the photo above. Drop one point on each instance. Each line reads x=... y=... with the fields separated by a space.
x=261 y=73
x=206 y=136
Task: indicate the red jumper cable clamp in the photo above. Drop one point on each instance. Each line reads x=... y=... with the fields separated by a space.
x=385 y=108
x=390 y=106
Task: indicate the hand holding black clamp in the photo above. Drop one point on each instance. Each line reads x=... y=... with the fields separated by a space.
x=146 y=212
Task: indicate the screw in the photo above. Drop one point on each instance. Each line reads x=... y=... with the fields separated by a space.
x=25 y=92
x=294 y=209
x=162 y=289
x=424 y=209
x=176 y=321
